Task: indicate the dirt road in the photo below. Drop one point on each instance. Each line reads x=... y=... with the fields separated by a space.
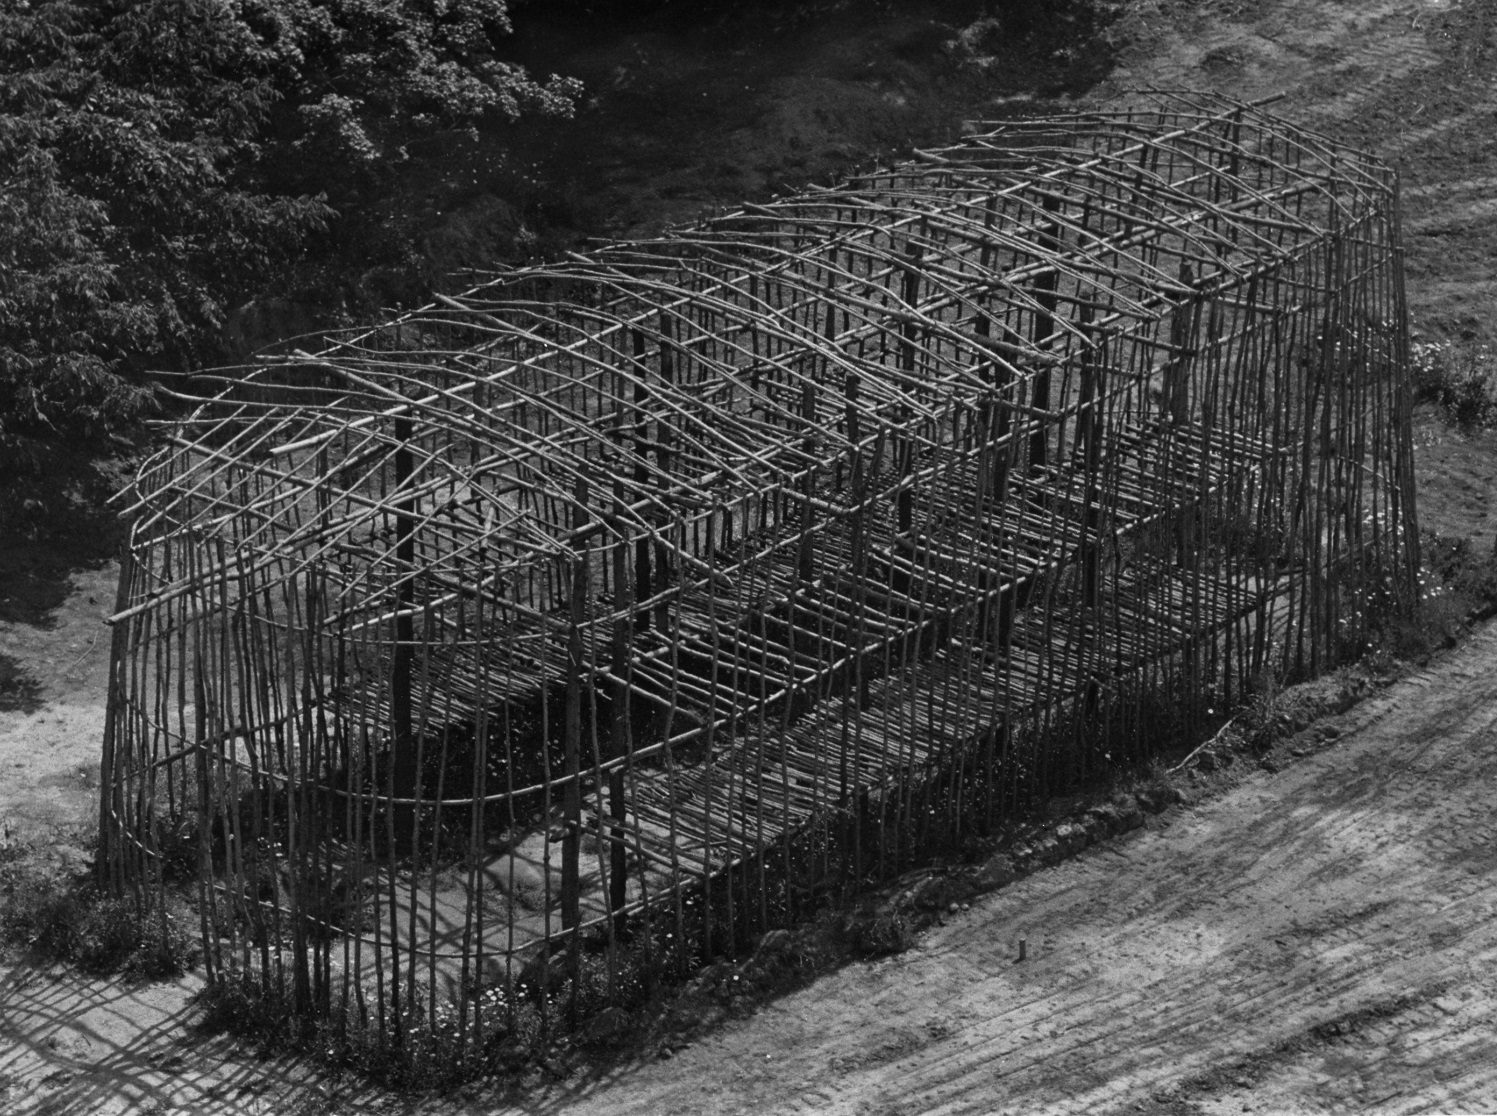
x=1319 y=939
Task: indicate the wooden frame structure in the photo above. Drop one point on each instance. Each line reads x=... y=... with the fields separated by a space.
x=621 y=604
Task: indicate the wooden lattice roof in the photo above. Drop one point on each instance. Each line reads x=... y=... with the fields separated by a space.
x=620 y=390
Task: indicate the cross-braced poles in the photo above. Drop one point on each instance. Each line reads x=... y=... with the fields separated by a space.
x=620 y=606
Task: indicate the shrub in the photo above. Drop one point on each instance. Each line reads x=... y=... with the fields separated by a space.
x=1459 y=378
x=71 y=920
x=155 y=172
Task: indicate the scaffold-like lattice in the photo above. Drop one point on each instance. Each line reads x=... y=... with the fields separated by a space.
x=601 y=617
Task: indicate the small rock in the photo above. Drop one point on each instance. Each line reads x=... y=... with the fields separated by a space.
x=1157 y=799
x=1130 y=814
x=1071 y=838
x=1206 y=761
x=942 y=892
x=545 y=973
x=931 y=894
x=775 y=942
x=609 y=1025
x=996 y=873
x=1329 y=732
x=953 y=908
x=1106 y=815
x=1047 y=850
x=1268 y=764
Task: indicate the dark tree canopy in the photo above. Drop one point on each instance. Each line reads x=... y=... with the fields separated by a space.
x=162 y=161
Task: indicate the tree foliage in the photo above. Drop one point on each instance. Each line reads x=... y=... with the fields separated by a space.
x=163 y=160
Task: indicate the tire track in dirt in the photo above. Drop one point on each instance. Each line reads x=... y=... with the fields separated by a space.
x=1241 y=933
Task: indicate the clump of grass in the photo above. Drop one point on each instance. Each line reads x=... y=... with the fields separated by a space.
x=881 y=933
x=1458 y=377
x=421 y=1051
x=66 y=918
x=1457 y=580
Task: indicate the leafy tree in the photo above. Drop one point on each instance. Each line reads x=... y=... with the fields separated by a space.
x=162 y=161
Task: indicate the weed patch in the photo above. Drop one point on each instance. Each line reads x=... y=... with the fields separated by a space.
x=66 y=918
x=1459 y=378
x=1457 y=583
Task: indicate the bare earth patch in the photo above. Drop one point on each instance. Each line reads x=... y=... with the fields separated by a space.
x=54 y=654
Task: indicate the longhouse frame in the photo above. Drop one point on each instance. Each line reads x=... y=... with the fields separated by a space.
x=600 y=618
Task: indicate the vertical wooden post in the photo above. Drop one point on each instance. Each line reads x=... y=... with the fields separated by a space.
x=571 y=845
x=667 y=378
x=806 y=558
x=1045 y=286
x=906 y=459
x=109 y=792
x=1004 y=393
x=664 y=460
x=403 y=757
x=986 y=467
x=643 y=586
x=1089 y=427
x=1176 y=402
x=619 y=727
x=910 y=295
x=212 y=946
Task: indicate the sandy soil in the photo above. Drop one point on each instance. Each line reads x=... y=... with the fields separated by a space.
x=1321 y=939
x=52 y=712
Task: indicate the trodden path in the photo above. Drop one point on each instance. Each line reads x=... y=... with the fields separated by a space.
x=1320 y=939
